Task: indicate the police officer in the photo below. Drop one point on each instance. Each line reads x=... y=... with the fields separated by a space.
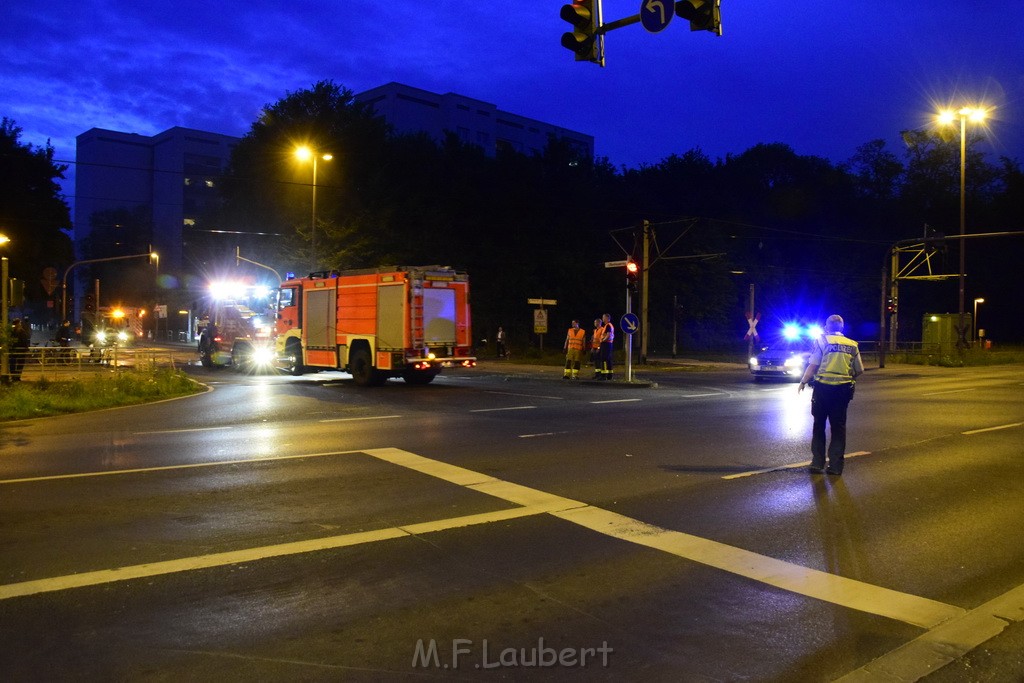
x=573 y=348
x=834 y=365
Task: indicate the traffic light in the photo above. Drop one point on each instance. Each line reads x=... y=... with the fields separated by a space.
x=890 y=305
x=703 y=15
x=89 y=304
x=583 y=39
x=632 y=274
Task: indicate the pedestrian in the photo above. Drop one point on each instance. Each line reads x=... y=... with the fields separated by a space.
x=834 y=366
x=573 y=348
x=502 y=352
x=607 y=340
x=595 y=346
x=21 y=340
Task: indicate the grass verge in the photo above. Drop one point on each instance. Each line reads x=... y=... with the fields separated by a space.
x=46 y=397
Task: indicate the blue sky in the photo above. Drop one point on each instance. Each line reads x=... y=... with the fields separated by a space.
x=823 y=77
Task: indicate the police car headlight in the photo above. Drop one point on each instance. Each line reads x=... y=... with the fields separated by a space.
x=794 y=362
x=753 y=362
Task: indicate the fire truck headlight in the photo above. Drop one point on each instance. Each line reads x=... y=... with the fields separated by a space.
x=122 y=336
x=101 y=336
x=262 y=355
x=431 y=356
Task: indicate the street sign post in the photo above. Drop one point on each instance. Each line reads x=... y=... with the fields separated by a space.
x=615 y=264
x=630 y=325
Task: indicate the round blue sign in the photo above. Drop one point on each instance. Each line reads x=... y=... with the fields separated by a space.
x=630 y=324
x=655 y=14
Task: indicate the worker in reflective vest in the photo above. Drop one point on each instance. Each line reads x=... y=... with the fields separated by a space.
x=607 y=340
x=573 y=348
x=595 y=346
x=834 y=365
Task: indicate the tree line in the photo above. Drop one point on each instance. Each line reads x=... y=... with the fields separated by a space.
x=810 y=235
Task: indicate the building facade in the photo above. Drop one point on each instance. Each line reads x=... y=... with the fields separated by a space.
x=412 y=110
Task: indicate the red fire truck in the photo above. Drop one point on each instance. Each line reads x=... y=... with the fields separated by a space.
x=407 y=322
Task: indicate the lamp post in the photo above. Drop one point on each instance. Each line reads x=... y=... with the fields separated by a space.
x=947 y=117
x=305 y=153
x=4 y=283
x=974 y=318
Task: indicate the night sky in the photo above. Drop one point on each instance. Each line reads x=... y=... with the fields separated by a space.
x=823 y=77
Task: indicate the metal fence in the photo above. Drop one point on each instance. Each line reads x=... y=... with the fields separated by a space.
x=55 y=362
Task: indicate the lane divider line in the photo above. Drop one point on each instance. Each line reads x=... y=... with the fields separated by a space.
x=165 y=468
x=361 y=419
x=495 y=410
x=791 y=466
x=992 y=429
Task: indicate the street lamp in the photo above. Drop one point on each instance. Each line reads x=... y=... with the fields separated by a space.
x=305 y=153
x=975 y=316
x=948 y=117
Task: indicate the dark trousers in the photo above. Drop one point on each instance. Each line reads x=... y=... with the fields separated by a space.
x=829 y=403
x=605 y=361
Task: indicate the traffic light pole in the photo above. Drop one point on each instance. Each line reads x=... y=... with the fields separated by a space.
x=64 y=282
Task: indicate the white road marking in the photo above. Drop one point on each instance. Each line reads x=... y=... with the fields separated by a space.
x=103 y=576
x=358 y=419
x=992 y=429
x=785 y=575
x=801 y=580
x=163 y=468
x=509 y=393
x=791 y=466
x=183 y=431
x=618 y=400
x=495 y=410
x=532 y=436
x=951 y=391
x=941 y=645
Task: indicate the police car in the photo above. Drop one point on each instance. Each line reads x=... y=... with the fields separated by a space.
x=785 y=358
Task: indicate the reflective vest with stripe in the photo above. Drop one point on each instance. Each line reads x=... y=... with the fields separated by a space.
x=574 y=340
x=595 y=339
x=609 y=333
x=837 y=354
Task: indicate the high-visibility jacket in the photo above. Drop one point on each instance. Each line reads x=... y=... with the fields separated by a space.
x=839 y=356
x=595 y=338
x=574 y=339
x=609 y=333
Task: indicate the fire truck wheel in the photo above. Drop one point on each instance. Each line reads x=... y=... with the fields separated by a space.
x=205 y=354
x=418 y=377
x=294 y=351
x=362 y=369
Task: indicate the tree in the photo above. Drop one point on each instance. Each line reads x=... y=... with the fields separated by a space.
x=33 y=214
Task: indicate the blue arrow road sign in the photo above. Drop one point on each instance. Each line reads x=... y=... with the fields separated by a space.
x=655 y=14
x=630 y=324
